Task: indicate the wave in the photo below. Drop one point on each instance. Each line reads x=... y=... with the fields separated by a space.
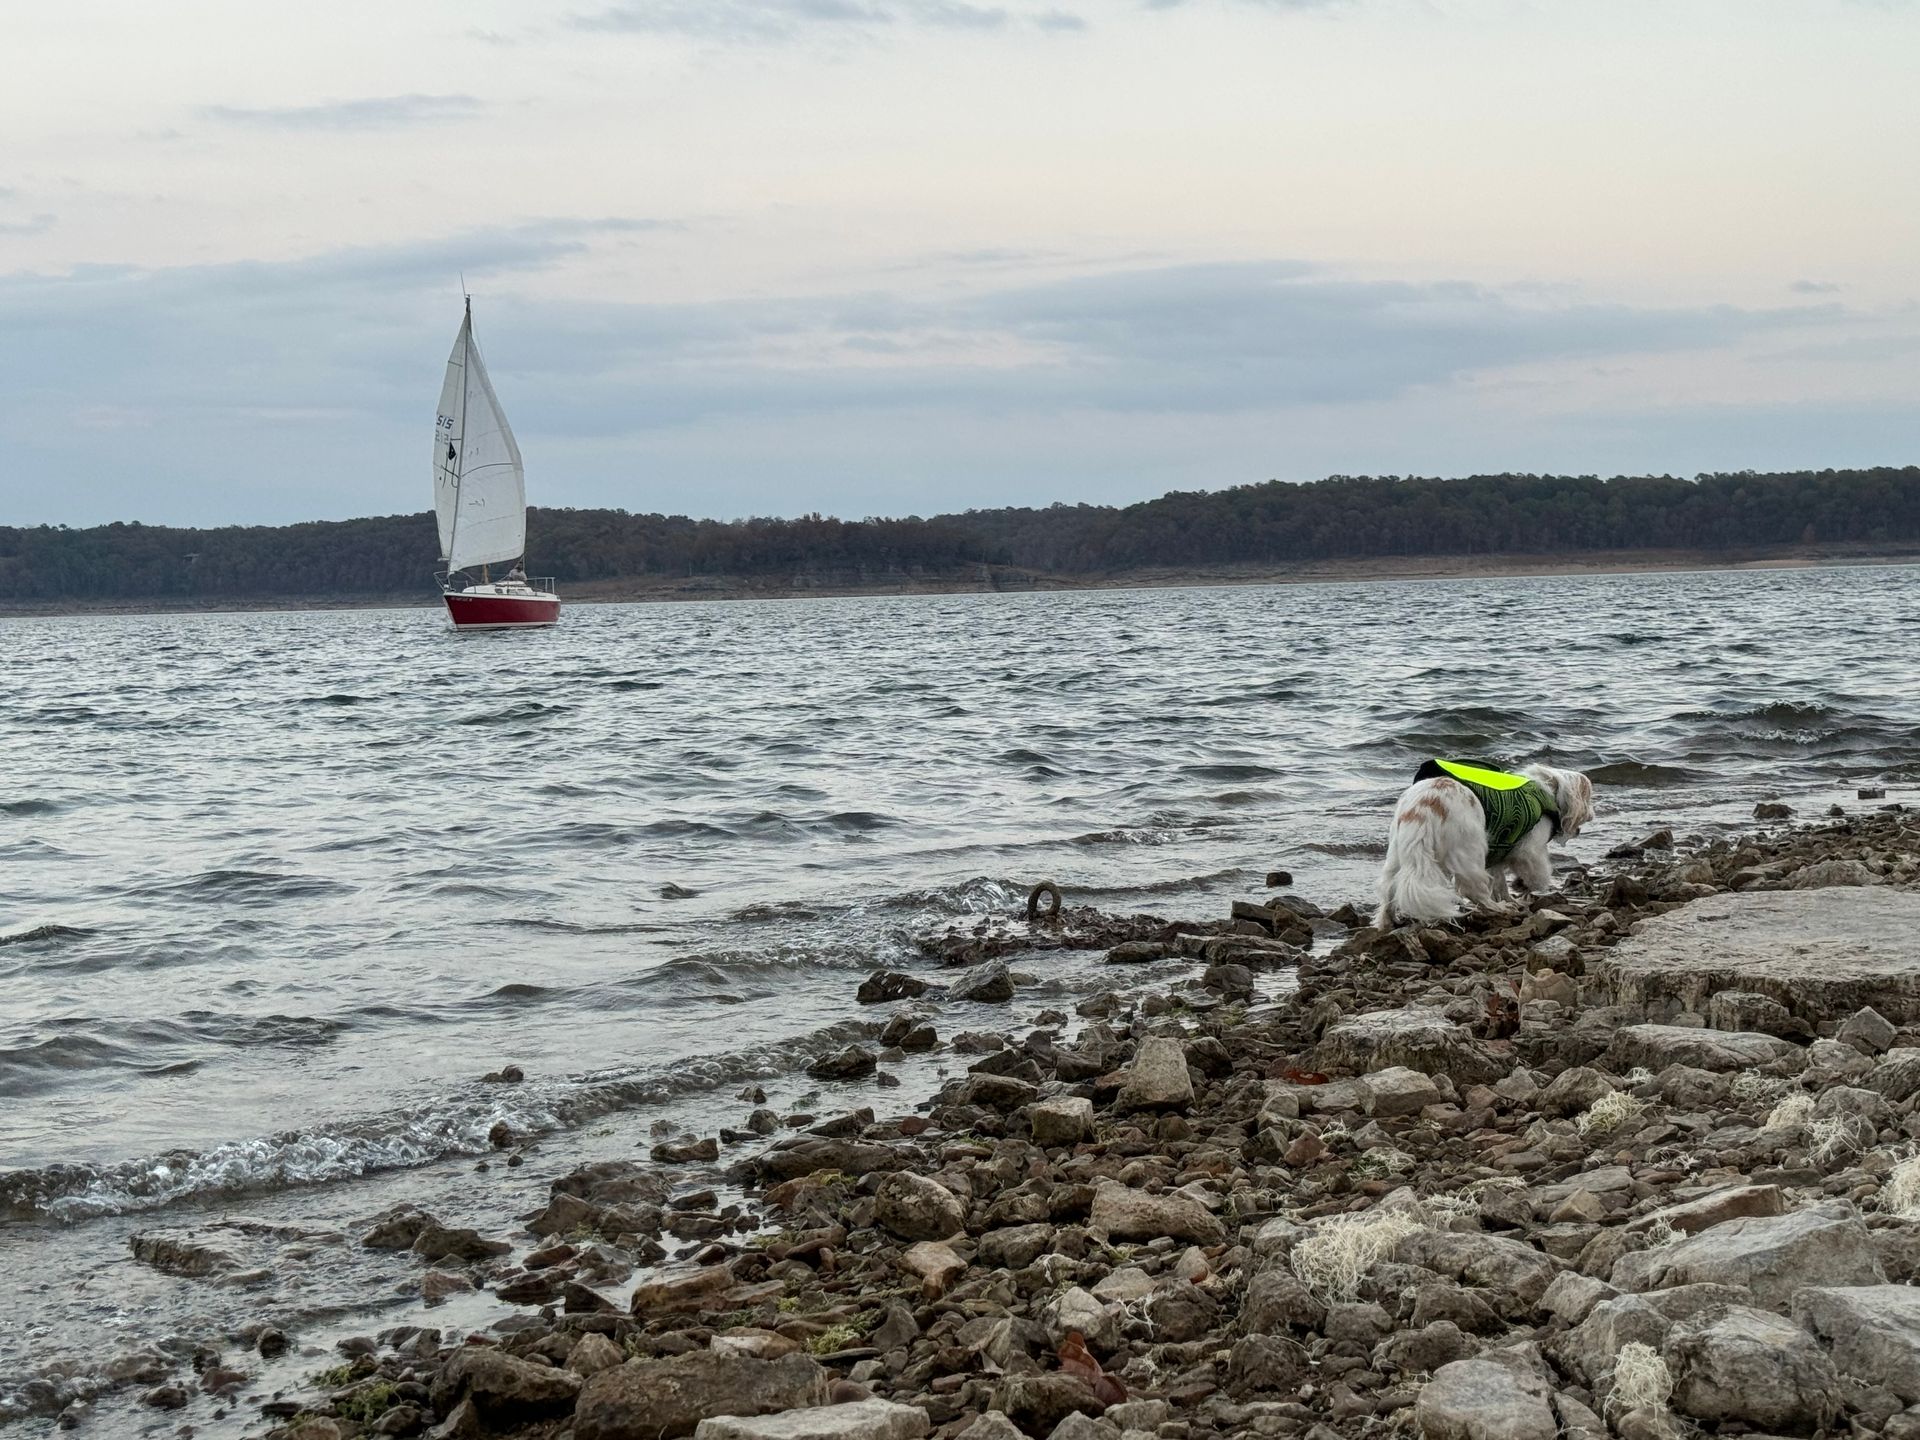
x=29 y=806
x=41 y=934
x=1643 y=774
x=1231 y=773
x=440 y=1129
x=244 y=887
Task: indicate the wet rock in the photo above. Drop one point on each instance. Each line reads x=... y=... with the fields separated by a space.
x=1157 y=1079
x=791 y=1159
x=1772 y=1257
x=1658 y=1046
x=887 y=985
x=1066 y=1121
x=1129 y=1214
x=1751 y=1366
x=166 y=1397
x=664 y=1399
x=1138 y=952
x=686 y=1152
x=442 y=1242
x=1874 y=1332
x=916 y=1208
x=1487 y=1399
x=681 y=1291
x=397 y=1229
x=502 y=1387
x=990 y=983
x=861 y=1420
x=1414 y=1037
x=848 y=1064
x=181 y=1252
x=998 y=1092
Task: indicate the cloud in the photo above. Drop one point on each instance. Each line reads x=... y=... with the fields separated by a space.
x=763 y=21
x=1814 y=287
x=33 y=225
x=386 y=112
x=1145 y=371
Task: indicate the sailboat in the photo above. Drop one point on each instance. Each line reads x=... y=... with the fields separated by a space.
x=480 y=501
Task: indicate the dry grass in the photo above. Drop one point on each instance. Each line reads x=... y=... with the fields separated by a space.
x=1793 y=1113
x=1834 y=1139
x=1610 y=1112
x=1641 y=1380
x=1750 y=1087
x=1901 y=1194
x=1337 y=1256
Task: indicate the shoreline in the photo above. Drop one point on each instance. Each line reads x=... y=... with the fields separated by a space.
x=1434 y=1186
x=1011 y=580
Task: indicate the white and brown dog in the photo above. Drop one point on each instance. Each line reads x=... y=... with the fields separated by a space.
x=1459 y=829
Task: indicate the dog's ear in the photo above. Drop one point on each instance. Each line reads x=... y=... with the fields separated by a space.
x=1575 y=794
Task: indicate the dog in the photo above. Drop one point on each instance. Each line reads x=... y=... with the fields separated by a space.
x=1441 y=850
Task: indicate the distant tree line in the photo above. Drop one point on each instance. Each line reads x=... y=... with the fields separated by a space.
x=1273 y=523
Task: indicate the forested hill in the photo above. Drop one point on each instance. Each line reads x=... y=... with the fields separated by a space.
x=1272 y=524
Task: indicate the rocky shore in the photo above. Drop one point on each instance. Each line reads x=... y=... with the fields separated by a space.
x=1636 y=1159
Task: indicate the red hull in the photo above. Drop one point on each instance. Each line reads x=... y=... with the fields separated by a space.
x=500 y=612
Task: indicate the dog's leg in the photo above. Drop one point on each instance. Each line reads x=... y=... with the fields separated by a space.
x=1497 y=879
x=1477 y=886
x=1530 y=864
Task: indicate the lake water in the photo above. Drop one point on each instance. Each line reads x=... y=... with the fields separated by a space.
x=309 y=876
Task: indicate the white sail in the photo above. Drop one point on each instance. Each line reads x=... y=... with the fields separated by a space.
x=479 y=488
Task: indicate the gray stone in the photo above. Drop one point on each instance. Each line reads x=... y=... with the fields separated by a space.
x=1868 y=1031
x=1738 y=1202
x=1514 y=1275
x=1770 y=1256
x=1874 y=1331
x=1016 y=1246
x=1748 y=1010
x=1572 y=1296
x=502 y=1387
x=1065 y=1121
x=181 y=1252
x=1822 y=953
x=664 y=1399
x=1897 y=1076
x=1037 y=1403
x=991 y=983
x=860 y=1420
x=916 y=1208
x=1486 y=1399
x=1750 y=1365
x=1573 y=1090
x=1414 y=1037
x=1157 y=1079
x=1400 y=1091
x=1589 y=1349
x=1658 y=1046
x=1128 y=1214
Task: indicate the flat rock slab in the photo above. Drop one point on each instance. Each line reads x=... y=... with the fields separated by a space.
x=1822 y=953
x=861 y=1420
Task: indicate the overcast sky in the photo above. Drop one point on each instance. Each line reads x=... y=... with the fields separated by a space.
x=907 y=256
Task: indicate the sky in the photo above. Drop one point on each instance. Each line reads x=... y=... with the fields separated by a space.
x=889 y=257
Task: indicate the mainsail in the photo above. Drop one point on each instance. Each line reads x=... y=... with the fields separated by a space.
x=479 y=488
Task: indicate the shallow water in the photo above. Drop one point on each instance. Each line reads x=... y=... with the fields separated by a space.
x=276 y=889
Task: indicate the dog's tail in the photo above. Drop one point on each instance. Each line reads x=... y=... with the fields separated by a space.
x=1413 y=883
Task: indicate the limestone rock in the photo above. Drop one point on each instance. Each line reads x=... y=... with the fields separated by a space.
x=1038 y=1403
x=1738 y=1202
x=1868 y=1031
x=1822 y=953
x=1749 y=1365
x=861 y=1420
x=990 y=983
x=935 y=1264
x=885 y=985
x=1414 y=1037
x=1399 y=1090
x=1485 y=1399
x=502 y=1387
x=1590 y=1348
x=804 y=1154
x=1157 y=1079
x=664 y=1399
x=181 y=1252
x=1874 y=1332
x=1573 y=1090
x=1658 y=1046
x=916 y=1208
x=1128 y=1214
x=1065 y=1121
x=1770 y=1256
x=1515 y=1275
